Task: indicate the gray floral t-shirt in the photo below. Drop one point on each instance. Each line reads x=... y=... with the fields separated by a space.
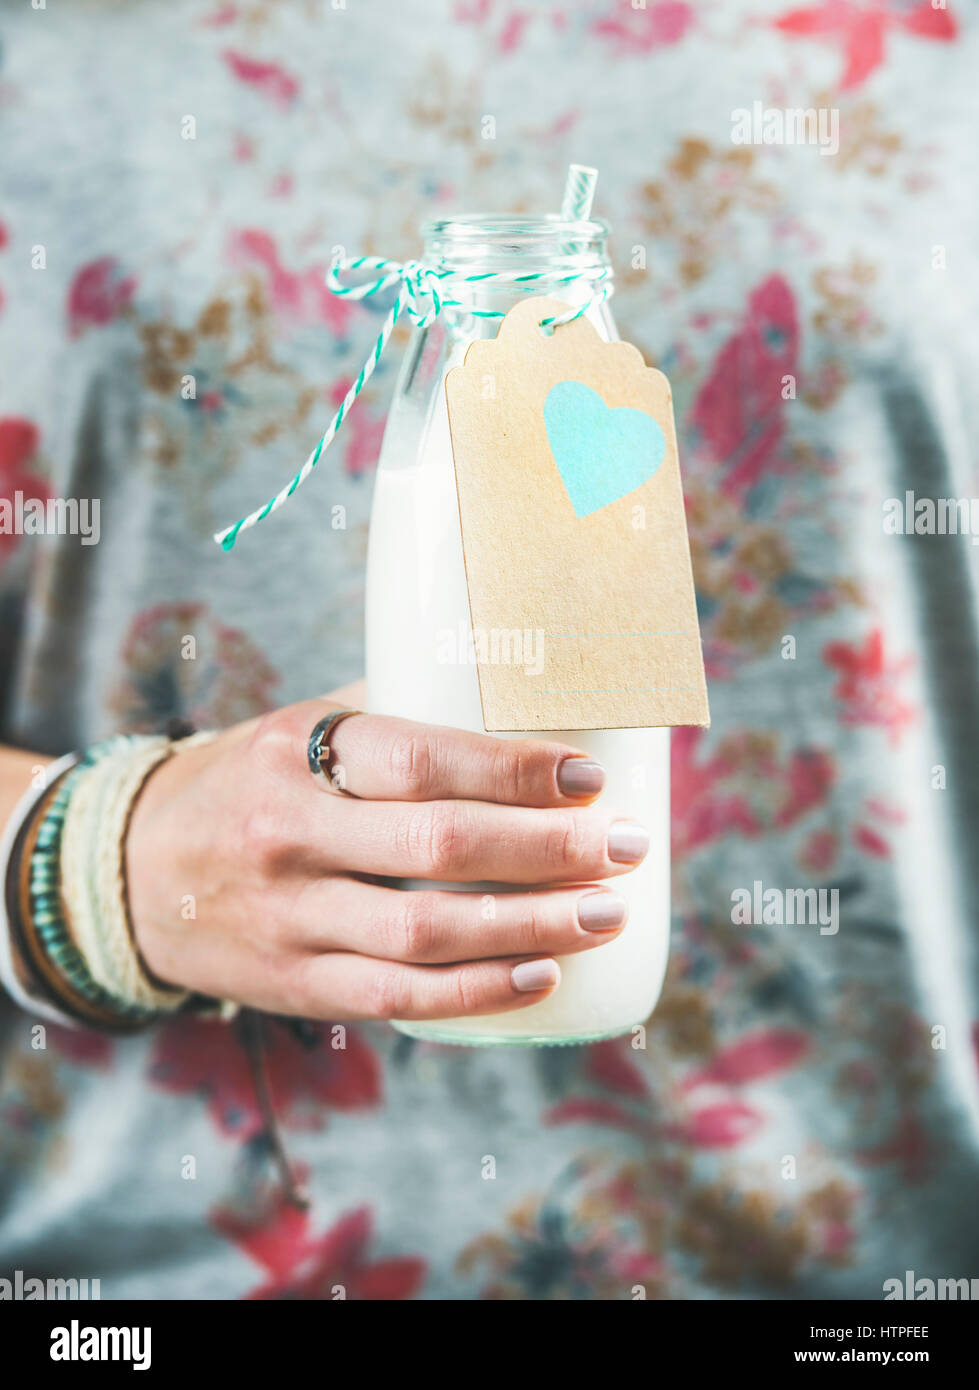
x=803 y=1119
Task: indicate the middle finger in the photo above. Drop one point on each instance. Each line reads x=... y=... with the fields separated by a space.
x=468 y=841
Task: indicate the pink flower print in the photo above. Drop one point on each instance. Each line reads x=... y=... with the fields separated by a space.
x=297 y=296
x=808 y=778
x=701 y=810
x=283 y=185
x=361 y=434
x=739 y=410
x=610 y=1066
x=19 y=440
x=242 y=148
x=867 y=687
x=819 y=853
x=98 y=294
x=635 y=30
x=81 y=1046
x=512 y=32
x=720 y=1126
x=871 y=842
x=299 y=1265
x=751 y=1058
x=198 y=1056
x=860 y=30
x=270 y=79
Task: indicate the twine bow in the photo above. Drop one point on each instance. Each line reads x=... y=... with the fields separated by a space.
x=419 y=286
x=422 y=295
x=418 y=298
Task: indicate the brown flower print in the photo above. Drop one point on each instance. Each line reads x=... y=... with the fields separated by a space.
x=843 y=313
x=691 y=206
x=218 y=389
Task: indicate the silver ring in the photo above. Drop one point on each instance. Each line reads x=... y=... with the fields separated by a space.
x=318 y=754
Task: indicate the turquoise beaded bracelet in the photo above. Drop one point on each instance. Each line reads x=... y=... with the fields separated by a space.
x=45 y=894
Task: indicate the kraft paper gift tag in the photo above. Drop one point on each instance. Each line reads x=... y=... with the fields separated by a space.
x=573 y=530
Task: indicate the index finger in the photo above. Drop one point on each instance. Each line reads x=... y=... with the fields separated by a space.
x=388 y=759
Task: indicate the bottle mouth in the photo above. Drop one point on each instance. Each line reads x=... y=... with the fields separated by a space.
x=485 y=241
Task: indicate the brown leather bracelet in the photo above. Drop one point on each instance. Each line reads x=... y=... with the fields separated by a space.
x=50 y=979
x=22 y=959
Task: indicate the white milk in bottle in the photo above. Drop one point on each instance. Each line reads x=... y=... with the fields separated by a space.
x=417 y=599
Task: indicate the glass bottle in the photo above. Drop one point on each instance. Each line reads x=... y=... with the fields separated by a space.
x=416 y=595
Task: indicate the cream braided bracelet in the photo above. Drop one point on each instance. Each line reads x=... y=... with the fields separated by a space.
x=92 y=870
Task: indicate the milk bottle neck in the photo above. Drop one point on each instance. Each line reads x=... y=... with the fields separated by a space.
x=519 y=256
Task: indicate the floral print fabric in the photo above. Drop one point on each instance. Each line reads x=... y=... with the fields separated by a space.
x=802 y=1117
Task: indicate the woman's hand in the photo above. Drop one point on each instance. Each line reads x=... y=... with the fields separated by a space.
x=249 y=882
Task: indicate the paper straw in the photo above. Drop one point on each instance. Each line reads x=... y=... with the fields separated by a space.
x=579 y=191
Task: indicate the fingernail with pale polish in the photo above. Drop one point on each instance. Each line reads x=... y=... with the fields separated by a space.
x=580 y=777
x=601 y=911
x=531 y=975
x=627 y=842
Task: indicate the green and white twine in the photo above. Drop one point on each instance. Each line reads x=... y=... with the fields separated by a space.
x=421 y=298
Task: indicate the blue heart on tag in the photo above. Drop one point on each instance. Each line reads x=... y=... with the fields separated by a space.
x=601 y=453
